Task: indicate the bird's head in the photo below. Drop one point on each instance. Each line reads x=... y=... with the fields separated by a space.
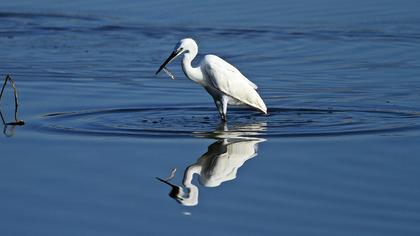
x=177 y=193
x=184 y=45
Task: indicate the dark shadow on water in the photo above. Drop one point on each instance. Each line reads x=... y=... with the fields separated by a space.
x=219 y=164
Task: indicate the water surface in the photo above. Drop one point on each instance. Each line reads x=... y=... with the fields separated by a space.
x=337 y=154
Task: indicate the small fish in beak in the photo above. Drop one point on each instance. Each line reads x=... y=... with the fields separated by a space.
x=171 y=57
x=168 y=72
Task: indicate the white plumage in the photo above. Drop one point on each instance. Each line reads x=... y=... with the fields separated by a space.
x=222 y=81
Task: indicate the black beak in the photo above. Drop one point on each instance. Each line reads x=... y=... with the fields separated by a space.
x=170 y=58
x=166 y=182
x=174 y=191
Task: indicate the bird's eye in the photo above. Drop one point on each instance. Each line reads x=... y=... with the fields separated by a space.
x=177 y=45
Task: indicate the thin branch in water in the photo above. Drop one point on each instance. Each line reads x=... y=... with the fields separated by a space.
x=8 y=132
x=2 y=118
x=4 y=85
x=15 y=94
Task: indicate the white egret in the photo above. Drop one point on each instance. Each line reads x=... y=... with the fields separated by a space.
x=219 y=164
x=219 y=78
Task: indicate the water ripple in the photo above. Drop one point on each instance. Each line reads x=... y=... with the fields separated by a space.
x=204 y=122
x=104 y=25
x=38 y=15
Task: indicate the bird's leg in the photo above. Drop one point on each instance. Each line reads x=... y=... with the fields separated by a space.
x=219 y=106
x=224 y=107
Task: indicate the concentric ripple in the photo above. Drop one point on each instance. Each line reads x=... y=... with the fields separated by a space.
x=204 y=122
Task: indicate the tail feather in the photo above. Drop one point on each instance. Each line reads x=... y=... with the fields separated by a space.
x=254 y=100
x=260 y=105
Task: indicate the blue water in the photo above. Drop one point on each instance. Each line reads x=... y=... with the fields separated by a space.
x=337 y=154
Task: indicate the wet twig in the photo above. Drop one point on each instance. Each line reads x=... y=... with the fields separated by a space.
x=8 y=130
x=2 y=118
x=15 y=94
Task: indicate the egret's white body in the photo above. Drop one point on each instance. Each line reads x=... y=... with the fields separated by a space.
x=219 y=164
x=220 y=79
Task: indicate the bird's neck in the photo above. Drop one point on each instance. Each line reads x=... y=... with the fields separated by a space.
x=193 y=73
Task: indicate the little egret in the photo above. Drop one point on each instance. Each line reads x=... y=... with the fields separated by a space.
x=219 y=78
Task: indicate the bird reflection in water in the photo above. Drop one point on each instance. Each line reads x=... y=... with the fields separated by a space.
x=219 y=164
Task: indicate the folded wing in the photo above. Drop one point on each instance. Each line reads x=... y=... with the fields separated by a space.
x=230 y=81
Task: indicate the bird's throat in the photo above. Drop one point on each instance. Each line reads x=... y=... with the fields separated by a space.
x=193 y=73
